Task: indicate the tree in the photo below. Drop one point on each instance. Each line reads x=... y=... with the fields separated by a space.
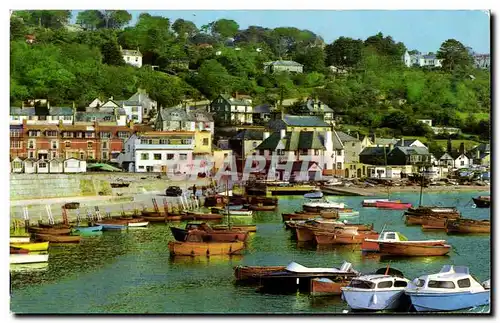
x=454 y=55
x=111 y=54
x=225 y=28
x=386 y=46
x=184 y=28
x=313 y=59
x=116 y=19
x=45 y=18
x=212 y=79
x=90 y=19
x=344 y=52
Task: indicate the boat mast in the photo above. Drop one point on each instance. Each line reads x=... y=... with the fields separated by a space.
x=421 y=189
x=388 y=188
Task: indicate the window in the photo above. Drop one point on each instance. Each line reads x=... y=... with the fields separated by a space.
x=16 y=164
x=90 y=144
x=104 y=145
x=205 y=142
x=353 y=144
x=82 y=155
x=67 y=144
x=145 y=156
x=361 y=284
x=123 y=134
x=128 y=59
x=53 y=144
x=390 y=236
x=339 y=165
x=463 y=283
x=79 y=134
x=144 y=141
x=339 y=152
x=170 y=156
x=31 y=144
x=462 y=163
x=68 y=118
x=54 y=154
x=42 y=118
x=104 y=155
x=387 y=284
x=141 y=167
x=105 y=135
x=254 y=144
x=128 y=148
x=89 y=135
x=15 y=118
x=15 y=132
x=303 y=152
x=33 y=133
x=90 y=154
x=420 y=283
x=183 y=156
x=107 y=118
x=135 y=117
x=157 y=156
x=137 y=59
x=31 y=154
x=51 y=133
x=42 y=165
x=316 y=152
x=93 y=118
x=441 y=284
x=15 y=144
x=135 y=109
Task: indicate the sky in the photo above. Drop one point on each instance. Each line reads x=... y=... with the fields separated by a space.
x=423 y=30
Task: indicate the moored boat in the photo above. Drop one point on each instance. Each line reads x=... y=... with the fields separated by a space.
x=327 y=286
x=201 y=216
x=468 y=226
x=154 y=218
x=324 y=237
x=253 y=273
x=372 y=202
x=453 y=288
x=138 y=224
x=28 y=258
x=412 y=219
x=323 y=205
x=263 y=207
x=112 y=227
x=49 y=231
x=394 y=243
x=57 y=238
x=14 y=250
x=32 y=246
x=237 y=227
x=482 y=201
x=19 y=239
x=93 y=228
x=392 y=205
x=173 y=217
x=178 y=248
x=314 y=195
x=204 y=233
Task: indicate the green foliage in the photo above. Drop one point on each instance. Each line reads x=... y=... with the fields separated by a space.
x=111 y=54
x=344 y=52
x=454 y=55
x=225 y=28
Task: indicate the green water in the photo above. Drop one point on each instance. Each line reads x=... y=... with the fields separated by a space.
x=132 y=272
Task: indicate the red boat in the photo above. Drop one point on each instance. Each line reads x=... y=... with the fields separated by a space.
x=392 y=205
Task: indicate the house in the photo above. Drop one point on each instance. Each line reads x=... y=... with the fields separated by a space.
x=184 y=119
x=409 y=143
x=283 y=66
x=445 y=160
x=421 y=60
x=109 y=112
x=227 y=110
x=408 y=155
x=159 y=151
x=140 y=99
x=42 y=166
x=43 y=114
x=337 y=70
x=480 y=155
x=325 y=148
x=389 y=172
x=29 y=165
x=374 y=155
x=383 y=142
x=312 y=107
x=482 y=61
x=74 y=165
x=17 y=145
x=448 y=130
x=460 y=160
x=352 y=147
x=356 y=170
x=132 y=57
x=262 y=113
x=251 y=139
x=299 y=123
x=219 y=156
x=426 y=121
x=313 y=171
x=16 y=165
x=56 y=165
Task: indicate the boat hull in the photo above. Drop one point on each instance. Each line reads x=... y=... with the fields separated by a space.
x=314 y=195
x=304 y=234
x=262 y=207
x=51 y=231
x=324 y=287
x=177 y=248
x=208 y=216
x=372 y=203
x=240 y=227
x=440 y=302
x=138 y=224
x=332 y=238
x=154 y=218
x=88 y=229
x=463 y=226
x=173 y=218
x=392 y=205
x=28 y=258
x=373 y=300
x=110 y=226
x=35 y=246
x=413 y=250
x=57 y=238
x=481 y=203
x=19 y=239
x=253 y=273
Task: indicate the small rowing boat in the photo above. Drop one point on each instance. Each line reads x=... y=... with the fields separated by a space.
x=28 y=258
x=57 y=238
x=32 y=246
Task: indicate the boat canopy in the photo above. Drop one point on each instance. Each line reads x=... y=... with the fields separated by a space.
x=454 y=269
x=297 y=268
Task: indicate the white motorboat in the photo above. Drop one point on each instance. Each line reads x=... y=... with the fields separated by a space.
x=375 y=292
x=298 y=268
x=322 y=205
x=453 y=288
x=138 y=224
x=28 y=258
x=241 y=212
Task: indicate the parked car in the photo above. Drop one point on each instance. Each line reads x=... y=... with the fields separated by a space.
x=173 y=191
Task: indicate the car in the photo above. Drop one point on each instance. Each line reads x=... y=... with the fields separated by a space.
x=173 y=191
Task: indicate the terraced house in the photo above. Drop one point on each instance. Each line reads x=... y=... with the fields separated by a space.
x=184 y=119
x=227 y=110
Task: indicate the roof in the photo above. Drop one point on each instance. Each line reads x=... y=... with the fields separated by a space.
x=131 y=52
x=99 y=116
x=345 y=137
x=406 y=143
x=234 y=101
x=283 y=63
x=304 y=121
x=32 y=111
x=412 y=150
x=129 y=103
x=429 y=56
x=385 y=141
x=293 y=140
x=482 y=148
x=444 y=156
x=373 y=151
x=180 y=114
x=249 y=135
x=315 y=106
x=263 y=108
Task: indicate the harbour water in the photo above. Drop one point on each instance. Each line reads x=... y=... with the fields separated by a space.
x=132 y=271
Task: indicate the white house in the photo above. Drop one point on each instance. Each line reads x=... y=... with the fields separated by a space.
x=108 y=112
x=461 y=161
x=16 y=165
x=426 y=121
x=132 y=57
x=421 y=60
x=482 y=61
x=29 y=165
x=74 y=165
x=56 y=165
x=159 y=151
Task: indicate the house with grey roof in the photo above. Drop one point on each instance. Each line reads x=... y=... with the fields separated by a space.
x=283 y=66
x=132 y=56
x=299 y=123
x=422 y=60
x=184 y=119
x=246 y=141
x=41 y=114
x=139 y=107
x=402 y=155
x=352 y=147
x=262 y=113
x=228 y=110
x=312 y=107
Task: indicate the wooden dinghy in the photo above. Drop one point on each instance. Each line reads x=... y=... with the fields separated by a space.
x=138 y=224
x=324 y=237
x=57 y=238
x=237 y=227
x=309 y=215
x=54 y=226
x=433 y=223
x=328 y=286
x=27 y=258
x=152 y=214
x=468 y=226
x=420 y=219
x=201 y=216
x=413 y=250
x=14 y=250
x=173 y=217
x=19 y=239
x=154 y=218
x=32 y=246
x=49 y=231
x=263 y=207
x=205 y=248
x=253 y=273
x=208 y=235
x=93 y=228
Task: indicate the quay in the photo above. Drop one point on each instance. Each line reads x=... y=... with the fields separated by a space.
x=344 y=191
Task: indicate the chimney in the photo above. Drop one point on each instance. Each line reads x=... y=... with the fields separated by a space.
x=111 y=98
x=478 y=154
x=266 y=135
x=402 y=142
x=329 y=141
x=357 y=135
x=48 y=105
x=282 y=133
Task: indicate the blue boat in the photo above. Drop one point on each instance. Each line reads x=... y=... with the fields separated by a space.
x=452 y=289
x=235 y=207
x=88 y=229
x=108 y=227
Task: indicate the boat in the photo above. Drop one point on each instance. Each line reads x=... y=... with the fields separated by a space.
x=240 y=212
x=372 y=202
x=263 y=207
x=57 y=238
x=152 y=214
x=54 y=226
x=468 y=226
x=297 y=277
x=323 y=205
x=138 y=224
x=314 y=195
x=154 y=218
x=71 y=205
x=389 y=239
x=411 y=219
x=309 y=215
x=112 y=227
x=375 y=292
x=49 y=231
x=339 y=237
x=32 y=246
x=28 y=258
x=173 y=217
x=345 y=213
x=305 y=230
x=433 y=211
x=14 y=250
x=178 y=248
x=482 y=201
x=327 y=286
x=202 y=216
x=235 y=207
x=19 y=239
x=392 y=205
x=253 y=273
x=237 y=227
x=433 y=223
x=202 y=232
x=94 y=228
x=452 y=289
